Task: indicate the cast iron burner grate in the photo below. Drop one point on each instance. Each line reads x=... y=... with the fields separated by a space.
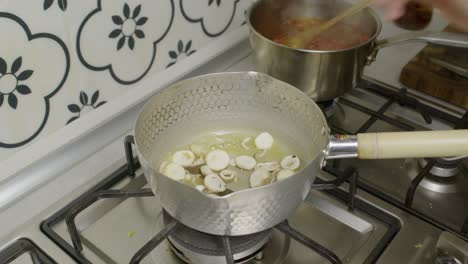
x=24 y=246
x=428 y=113
x=103 y=191
x=328 y=107
x=445 y=176
x=243 y=248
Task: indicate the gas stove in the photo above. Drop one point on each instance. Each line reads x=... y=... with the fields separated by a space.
x=386 y=211
x=139 y=224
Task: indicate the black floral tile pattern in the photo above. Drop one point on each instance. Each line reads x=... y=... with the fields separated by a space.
x=218 y=2
x=118 y=42
x=128 y=26
x=85 y=105
x=33 y=70
x=128 y=50
x=214 y=18
x=61 y=3
x=12 y=82
x=181 y=52
x=245 y=18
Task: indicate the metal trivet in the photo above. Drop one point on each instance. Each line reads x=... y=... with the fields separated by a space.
x=427 y=112
x=24 y=246
x=328 y=107
x=207 y=244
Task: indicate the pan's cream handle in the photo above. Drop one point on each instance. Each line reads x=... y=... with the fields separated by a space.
x=412 y=144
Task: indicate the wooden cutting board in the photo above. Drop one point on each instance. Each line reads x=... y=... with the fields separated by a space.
x=422 y=75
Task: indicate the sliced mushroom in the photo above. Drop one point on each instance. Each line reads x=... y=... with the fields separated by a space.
x=260 y=154
x=196 y=179
x=273 y=179
x=163 y=166
x=232 y=162
x=201 y=188
x=269 y=166
x=291 y=162
x=228 y=175
x=284 y=174
x=199 y=150
x=260 y=177
x=205 y=170
x=188 y=176
x=246 y=162
x=183 y=157
x=198 y=162
x=246 y=141
x=174 y=171
x=214 y=183
x=195 y=166
x=217 y=159
x=264 y=141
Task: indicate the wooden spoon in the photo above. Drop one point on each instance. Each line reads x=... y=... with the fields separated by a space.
x=300 y=39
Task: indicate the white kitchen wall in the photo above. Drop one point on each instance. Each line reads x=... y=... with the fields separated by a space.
x=60 y=59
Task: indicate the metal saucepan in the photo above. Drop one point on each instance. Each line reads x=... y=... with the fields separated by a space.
x=323 y=75
x=259 y=102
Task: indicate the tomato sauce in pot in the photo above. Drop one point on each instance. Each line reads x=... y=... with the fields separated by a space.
x=341 y=36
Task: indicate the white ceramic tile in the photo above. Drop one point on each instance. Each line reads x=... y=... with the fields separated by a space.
x=78 y=65
x=33 y=68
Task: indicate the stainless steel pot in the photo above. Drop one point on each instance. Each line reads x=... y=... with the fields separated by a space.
x=259 y=102
x=323 y=75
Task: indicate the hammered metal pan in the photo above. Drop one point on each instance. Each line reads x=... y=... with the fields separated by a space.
x=258 y=102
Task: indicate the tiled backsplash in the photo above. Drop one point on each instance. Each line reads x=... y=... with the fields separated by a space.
x=60 y=59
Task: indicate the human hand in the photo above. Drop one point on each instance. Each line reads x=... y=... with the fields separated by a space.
x=456 y=11
x=394 y=8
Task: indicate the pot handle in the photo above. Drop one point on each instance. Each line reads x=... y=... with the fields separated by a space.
x=393 y=145
x=439 y=38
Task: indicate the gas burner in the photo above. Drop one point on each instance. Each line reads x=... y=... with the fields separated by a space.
x=442 y=167
x=443 y=177
x=195 y=247
x=328 y=107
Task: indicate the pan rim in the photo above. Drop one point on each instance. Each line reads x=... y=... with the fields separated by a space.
x=320 y=155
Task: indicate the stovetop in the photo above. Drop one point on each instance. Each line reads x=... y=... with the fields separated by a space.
x=128 y=217
x=24 y=250
x=403 y=182
x=391 y=219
